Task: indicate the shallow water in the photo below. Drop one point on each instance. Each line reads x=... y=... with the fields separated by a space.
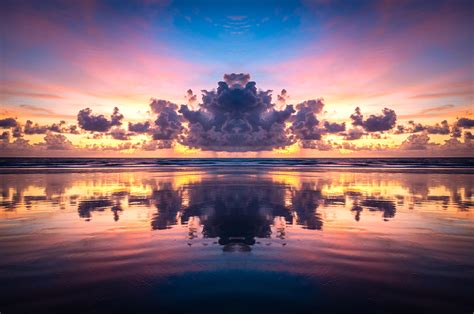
x=236 y=240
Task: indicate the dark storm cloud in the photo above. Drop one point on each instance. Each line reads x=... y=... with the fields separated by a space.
x=375 y=123
x=98 y=123
x=8 y=123
x=237 y=117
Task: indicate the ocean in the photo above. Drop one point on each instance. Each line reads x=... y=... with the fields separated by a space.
x=83 y=235
x=157 y=163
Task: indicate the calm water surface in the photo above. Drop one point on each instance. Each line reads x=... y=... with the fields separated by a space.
x=228 y=240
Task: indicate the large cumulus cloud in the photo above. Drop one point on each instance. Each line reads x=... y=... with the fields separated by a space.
x=237 y=117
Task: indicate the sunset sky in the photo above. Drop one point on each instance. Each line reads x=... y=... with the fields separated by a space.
x=151 y=60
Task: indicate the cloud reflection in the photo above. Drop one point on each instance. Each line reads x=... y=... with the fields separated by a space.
x=236 y=209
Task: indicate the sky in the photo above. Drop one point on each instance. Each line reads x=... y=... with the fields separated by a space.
x=237 y=78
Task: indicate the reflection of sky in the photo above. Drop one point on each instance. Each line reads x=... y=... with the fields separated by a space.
x=176 y=197
x=400 y=238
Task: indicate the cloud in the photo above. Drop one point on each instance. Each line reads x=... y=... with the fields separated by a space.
x=17 y=132
x=437 y=109
x=333 y=127
x=57 y=142
x=353 y=147
x=456 y=131
x=465 y=123
x=36 y=109
x=154 y=145
x=168 y=123
x=375 y=123
x=120 y=147
x=98 y=123
x=5 y=136
x=283 y=97
x=416 y=142
x=354 y=134
x=442 y=128
x=237 y=117
x=454 y=145
x=139 y=127
x=119 y=134
x=443 y=95
x=319 y=145
x=235 y=79
x=191 y=97
x=8 y=123
x=438 y=128
x=31 y=128
x=461 y=123
x=305 y=122
x=421 y=141
x=19 y=144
